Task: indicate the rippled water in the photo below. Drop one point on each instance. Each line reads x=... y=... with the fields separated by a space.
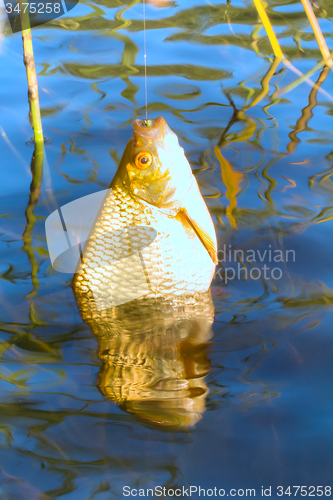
x=263 y=163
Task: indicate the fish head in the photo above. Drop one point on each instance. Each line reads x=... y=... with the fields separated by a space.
x=154 y=167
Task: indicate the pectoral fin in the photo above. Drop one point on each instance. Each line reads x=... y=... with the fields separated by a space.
x=196 y=213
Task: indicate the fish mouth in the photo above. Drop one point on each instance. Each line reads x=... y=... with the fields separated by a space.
x=165 y=177
x=150 y=129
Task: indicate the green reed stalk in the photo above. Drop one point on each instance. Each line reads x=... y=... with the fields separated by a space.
x=29 y=61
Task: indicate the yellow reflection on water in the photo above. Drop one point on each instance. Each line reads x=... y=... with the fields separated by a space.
x=232 y=181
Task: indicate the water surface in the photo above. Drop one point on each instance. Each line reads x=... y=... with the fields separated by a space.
x=265 y=171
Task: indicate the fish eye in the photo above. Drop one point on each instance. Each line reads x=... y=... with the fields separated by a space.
x=143 y=159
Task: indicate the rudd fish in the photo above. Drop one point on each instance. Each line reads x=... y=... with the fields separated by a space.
x=153 y=235
x=142 y=284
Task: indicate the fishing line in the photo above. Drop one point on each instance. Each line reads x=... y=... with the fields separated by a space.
x=145 y=54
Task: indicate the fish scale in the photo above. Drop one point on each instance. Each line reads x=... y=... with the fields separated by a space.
x=153 y=235
x=161 y=257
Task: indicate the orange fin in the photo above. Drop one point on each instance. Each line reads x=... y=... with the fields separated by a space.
x=205 y=238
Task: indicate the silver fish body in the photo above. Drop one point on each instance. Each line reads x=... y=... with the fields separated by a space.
x=153 y=236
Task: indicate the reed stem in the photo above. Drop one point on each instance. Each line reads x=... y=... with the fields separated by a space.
x=268 y=28
x=317 y=32
x=29 y=61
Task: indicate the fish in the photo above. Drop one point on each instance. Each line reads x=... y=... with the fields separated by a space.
x=154 y=355
x=143 y=282
x=153 y=235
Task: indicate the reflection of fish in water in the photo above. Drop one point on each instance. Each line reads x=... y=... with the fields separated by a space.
x=153 y=235
x=154 y=356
